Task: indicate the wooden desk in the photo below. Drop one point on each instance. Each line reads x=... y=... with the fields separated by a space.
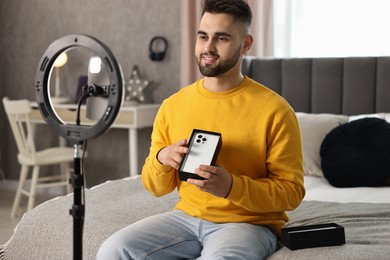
x=129 y=117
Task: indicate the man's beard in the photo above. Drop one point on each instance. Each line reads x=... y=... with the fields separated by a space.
x=221 y=68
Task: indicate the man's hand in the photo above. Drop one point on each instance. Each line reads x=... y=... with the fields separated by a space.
x=218 y=181
x=173 y=154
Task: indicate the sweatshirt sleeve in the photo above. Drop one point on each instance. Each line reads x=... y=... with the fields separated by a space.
x=283 y=188
x=157 y=178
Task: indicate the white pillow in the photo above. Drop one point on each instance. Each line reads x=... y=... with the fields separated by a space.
x=314 y=128
x=385 y=116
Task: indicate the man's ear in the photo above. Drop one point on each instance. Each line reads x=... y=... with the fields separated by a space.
x=247 y=43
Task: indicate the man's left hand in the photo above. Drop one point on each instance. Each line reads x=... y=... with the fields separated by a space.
x=218 y=181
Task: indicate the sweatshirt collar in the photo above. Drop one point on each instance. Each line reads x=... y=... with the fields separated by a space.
x=225 y=94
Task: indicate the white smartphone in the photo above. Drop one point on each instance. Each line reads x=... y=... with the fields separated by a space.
x=204 y=148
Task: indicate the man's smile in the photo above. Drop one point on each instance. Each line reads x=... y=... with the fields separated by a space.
x=209 y=59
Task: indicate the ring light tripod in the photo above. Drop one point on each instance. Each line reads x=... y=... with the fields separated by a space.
x=77 y=133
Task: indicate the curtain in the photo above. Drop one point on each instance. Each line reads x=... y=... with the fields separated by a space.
x=190 y=18
x=262 y=28
x=191 y=12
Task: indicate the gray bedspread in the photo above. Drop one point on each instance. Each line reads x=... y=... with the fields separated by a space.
x=46 y=231
x=366 y=226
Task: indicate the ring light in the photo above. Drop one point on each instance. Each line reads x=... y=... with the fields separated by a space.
x=75 y=132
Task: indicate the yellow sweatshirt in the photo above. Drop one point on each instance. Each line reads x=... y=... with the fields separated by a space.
x=261 y=149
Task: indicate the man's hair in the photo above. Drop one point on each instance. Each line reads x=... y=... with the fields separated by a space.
x=239 y=9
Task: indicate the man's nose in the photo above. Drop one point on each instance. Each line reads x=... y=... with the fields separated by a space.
x=210 y=45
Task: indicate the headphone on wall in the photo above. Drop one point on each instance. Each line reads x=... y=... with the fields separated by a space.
x=154 y=53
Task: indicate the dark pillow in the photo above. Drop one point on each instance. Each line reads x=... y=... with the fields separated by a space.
x=357 y=153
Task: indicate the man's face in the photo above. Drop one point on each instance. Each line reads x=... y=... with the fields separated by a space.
x=219 y=44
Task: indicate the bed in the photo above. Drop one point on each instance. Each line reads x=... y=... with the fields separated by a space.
x=327 y=94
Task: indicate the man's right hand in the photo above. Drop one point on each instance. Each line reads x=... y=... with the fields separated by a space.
x=173 y=154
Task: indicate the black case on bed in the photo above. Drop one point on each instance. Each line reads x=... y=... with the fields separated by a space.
x=330 y=234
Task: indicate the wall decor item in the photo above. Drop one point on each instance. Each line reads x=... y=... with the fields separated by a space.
x=135 y=88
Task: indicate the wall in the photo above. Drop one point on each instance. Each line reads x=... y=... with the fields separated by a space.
x=126 y=26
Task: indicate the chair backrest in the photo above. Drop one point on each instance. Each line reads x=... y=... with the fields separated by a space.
x=18 y=112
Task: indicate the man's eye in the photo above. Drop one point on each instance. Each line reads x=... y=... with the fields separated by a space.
x=222 y=38
x=201 y=37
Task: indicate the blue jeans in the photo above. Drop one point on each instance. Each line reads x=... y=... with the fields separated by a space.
x=176 y=235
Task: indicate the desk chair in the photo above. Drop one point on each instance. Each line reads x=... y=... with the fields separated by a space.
x=18 y=115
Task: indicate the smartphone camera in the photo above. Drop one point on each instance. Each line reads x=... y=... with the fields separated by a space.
x=201 y=139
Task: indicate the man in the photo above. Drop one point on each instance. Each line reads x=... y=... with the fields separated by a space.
x=238 y=210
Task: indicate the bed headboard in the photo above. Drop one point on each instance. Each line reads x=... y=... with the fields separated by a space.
x=350 y=86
